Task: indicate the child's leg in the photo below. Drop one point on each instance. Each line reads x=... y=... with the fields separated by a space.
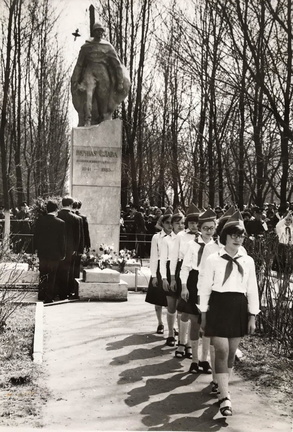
x=171 y=314
x=204 y=365
x=221 y=346
x=183 y=331
x=233 y=345
x=206 y=342
x=178 y=322
x=212 y=356
x=159 y=314
x=194 y=342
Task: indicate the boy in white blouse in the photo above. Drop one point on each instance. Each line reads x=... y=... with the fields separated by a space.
x=229 y=302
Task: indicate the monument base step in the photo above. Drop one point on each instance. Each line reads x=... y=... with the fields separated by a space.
x=99 y=291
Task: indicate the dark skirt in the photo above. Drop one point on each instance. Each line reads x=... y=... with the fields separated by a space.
x=227 y=315
x=171 y=293
x=155 y=294
x=190 y=307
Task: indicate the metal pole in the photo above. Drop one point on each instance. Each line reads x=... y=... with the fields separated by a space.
x=135 y=278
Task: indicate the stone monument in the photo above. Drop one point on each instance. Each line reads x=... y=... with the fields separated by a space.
x=98 y=84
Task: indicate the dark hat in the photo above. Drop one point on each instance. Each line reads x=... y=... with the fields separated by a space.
x=192 y=212
x=236 y=220
x=177 y=214
x=208 y=216
x=228 y=213
x=168 y=212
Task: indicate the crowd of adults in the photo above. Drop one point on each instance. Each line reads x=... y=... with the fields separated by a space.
x=139 y=223
x=59 y=234
x=20 y=227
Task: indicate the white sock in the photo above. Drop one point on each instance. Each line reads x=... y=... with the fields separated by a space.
x=230 y=373
x=171 y=317
x=178 y=322
x=194 y=348
x=184 y=326
x=223 y=382
x=205 y=346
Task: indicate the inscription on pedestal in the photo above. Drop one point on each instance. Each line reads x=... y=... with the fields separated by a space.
x=96 y=166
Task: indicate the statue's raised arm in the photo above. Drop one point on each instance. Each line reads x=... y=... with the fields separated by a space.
x=99 y=82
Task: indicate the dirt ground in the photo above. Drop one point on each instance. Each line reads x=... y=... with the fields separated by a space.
x=107 y=370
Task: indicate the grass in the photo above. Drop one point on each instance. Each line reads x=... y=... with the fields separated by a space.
x=21 y=390
x=271 y=373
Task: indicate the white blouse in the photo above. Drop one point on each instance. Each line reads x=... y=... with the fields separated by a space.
x=156 y=251
x=284 y=232
x=166 y=249
x=180 y=248
x=191 y=257
x=214 y=275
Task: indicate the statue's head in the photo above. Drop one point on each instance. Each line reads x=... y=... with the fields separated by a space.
x=98 y=27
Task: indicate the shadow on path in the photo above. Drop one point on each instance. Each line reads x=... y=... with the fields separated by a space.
x=158 y=386
x=158 y=415
x=135 y=339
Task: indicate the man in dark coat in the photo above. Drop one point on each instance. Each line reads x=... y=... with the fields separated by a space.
x=139 y=229
x=79 y=252
x=85 y=242
x=50 y=243
x=65 y=274
x=255 y=226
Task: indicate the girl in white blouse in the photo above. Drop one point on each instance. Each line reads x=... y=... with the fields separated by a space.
x=229 y=302
x=155 y=293
x=172 y=293
x=189 y=295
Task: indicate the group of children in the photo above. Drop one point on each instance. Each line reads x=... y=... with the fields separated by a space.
x=201 y=272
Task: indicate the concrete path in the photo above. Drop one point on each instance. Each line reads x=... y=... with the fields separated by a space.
x=107 y=370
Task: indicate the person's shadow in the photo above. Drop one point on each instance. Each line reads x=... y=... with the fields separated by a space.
x=178 y=412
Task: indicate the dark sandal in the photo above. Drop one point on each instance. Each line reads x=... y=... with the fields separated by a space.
x=160 y=329
x=170 y=341
x=215 y=388
x=180 y=354
x=188 y=352
x=205 y=367
x=193 y=368
x=225 y=407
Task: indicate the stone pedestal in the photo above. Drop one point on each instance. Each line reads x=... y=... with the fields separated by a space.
x=95 y=179
x=102 y=285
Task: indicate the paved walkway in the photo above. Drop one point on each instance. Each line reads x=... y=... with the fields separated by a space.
x=107 y=370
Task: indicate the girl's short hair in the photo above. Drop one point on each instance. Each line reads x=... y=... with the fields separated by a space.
x=165 y=217
x=193 y=218
x=230 y=230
